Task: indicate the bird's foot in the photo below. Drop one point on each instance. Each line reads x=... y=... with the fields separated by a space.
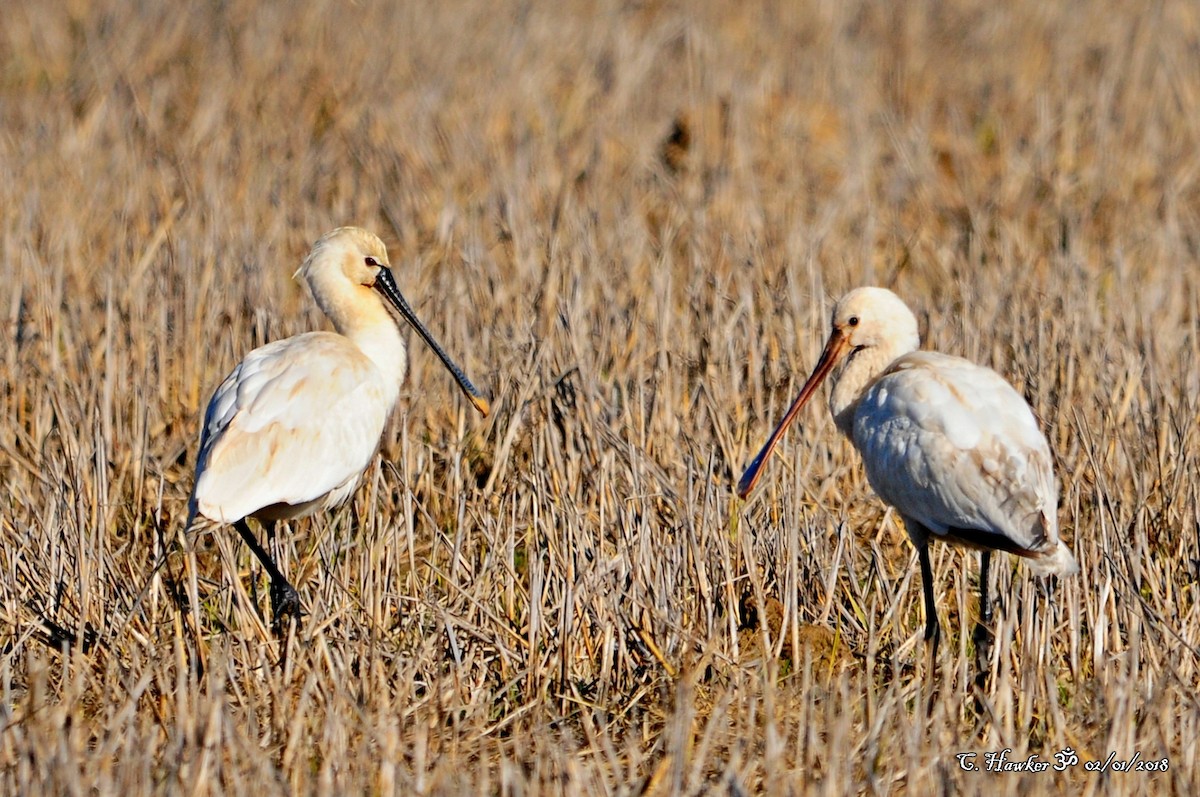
x=982 y=636
x=285 y=605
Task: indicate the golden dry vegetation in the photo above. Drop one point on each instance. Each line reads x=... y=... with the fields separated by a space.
x=628 y=221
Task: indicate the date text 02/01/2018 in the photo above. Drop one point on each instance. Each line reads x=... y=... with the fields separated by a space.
x=1063 y=760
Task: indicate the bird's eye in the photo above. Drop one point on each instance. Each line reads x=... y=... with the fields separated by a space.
x=372 y=262
x=853 y=321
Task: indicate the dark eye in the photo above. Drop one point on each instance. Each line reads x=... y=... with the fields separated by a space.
x=372 y=262
x=853 y=321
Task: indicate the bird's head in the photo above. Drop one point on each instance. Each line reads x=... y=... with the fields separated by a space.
x=865 y=319
x=869 y=317
x=348 y=274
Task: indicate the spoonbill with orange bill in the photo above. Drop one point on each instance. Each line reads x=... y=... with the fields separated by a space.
x=950 y=444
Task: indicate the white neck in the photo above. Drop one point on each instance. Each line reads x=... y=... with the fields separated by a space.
x=860 y=370
x=358 y=313
x=383 y=344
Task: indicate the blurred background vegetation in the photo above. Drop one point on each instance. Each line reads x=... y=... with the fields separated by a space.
x=629 y=221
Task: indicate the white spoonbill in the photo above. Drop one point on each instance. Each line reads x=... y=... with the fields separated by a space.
x=951 y=445
x=291 y=429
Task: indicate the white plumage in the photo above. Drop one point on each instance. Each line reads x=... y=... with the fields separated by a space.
x=291 y=429
x=950 y=444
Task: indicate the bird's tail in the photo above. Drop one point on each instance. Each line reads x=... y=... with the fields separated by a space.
x=1056 y=559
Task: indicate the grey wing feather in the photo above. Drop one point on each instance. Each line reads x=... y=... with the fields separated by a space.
x=953 y=446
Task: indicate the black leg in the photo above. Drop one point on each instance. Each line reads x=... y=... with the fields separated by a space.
x=982 y=636
x=933 y=629
x=985 y=567
x=285 y=601
x=983 y=633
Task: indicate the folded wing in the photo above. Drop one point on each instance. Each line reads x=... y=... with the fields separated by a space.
x=288 y=426
x=955 y=447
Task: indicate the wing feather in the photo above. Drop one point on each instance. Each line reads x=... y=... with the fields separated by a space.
x=296 y=419
x=953 y=446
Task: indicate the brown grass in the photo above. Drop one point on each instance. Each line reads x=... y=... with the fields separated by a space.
x=629 y=222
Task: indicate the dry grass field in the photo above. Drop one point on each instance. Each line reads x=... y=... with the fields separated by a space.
x=628 y=222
